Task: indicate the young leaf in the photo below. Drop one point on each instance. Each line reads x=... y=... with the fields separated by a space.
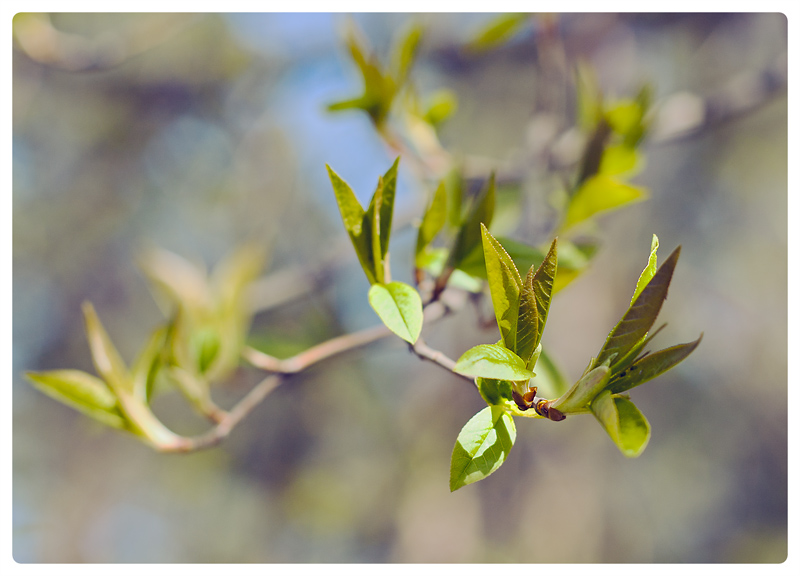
x=146 y=366
x=650 y=366
x=405 y=50
x=495 y=391
x=583 y=391
x=623 y=422
x=542 y=284
x=81 y=391
x=649 y=270
x=469 y=235
x=641 y=315
x=387 y=206
x=618 y=159
x=492 y=361
x=528 y=320
x=433 y=220
x=399 y=307
x=597 y=194
x=106 y=359
x=505 y=285
x=482 y=446
x=371 y=228
x=498 y=31
x=353 y=217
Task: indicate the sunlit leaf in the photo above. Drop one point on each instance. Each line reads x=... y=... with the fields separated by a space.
x=599 y=194
x=492 y=361
x=399 y=307
x=623 y=422
x=482 y=446
x=498 y=30
x=649 y=270
x=505 y=286
x=81 y=391
x=542 y=284
x=651 y=366
x=641 y=315
x=353 y=219
x=528 y=319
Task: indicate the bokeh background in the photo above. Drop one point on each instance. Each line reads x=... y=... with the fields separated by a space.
x=197 y=132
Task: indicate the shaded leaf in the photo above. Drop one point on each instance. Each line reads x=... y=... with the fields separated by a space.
x=623 y=422
x=81 y=391
x=492 y=361
x=399 y=306
x=433 y=220
x=652 y=365
x=505 y=285
x=600 y=193
x=469 y=235
x=482 y=446
x=641 y=315
x=542 y=284
x=494 y=391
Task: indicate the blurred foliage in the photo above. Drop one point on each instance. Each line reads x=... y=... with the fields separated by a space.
x=194 y=133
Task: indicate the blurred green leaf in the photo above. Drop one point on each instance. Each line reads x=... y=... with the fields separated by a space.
x=650 y=366
x=469 y=235
x=441 y=106
x=399 y=307
x=522 y=255
x=405 y=51
x=432 y=221
x=148 y=363
x=598 y=194
x=493 y=391
x=107 y=361
x=624 y=117
x=573 y=260
x=498 y=30
x=623 y=422
x=619 y=159
x=588 y=97
x=492 y=361
x=180 y=281
x=482 y=446
x=505 y=285
x=81 y=391
x=649 y=270
x=641 y=314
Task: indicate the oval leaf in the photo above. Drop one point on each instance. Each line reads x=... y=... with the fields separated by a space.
x=482 y=446
x=399 y=307
x=492 y=361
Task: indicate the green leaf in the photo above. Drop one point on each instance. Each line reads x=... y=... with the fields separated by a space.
x=623 y=422
x=505 y=285
x=494 y=391
x=600 y=193
x=107 y=360
x=148 y=363
x=482 y=446
x=651 y=365
x=81 y=391
x=469 y=235
x=399 y=307
x=353 y=217
x=492 y=361
x=625 y=117
x=542 y=284
x=442 y=104
x=649 y=270
x=498 y=31
x=618 y=159
x=405 y=51
x=387 y=205
x=371 y=228
x=641 y=315
x=583 y=391
x=528 y=320
x=524 y=257
x=432 y=221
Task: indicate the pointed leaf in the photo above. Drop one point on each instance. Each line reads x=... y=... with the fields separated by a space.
x=492 y=361
x=469 y=235
x=583 y=391
x=353 y=219
x=649 y=270
x=405 y=52
x=641 y=315
x=482 y=446
x=371 y=227
x=652 y=365
x=528 y=320
x=387 y=205
x=106 y=359
x=505 y=285
x=399 y=307
x=542 y=283
x=146 y=366
x=433 y=219
x=597 y=194
x=498 y=31
x=623 y=422
x=81 y=391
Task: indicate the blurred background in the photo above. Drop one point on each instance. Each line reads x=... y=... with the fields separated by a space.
x=196 y=133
